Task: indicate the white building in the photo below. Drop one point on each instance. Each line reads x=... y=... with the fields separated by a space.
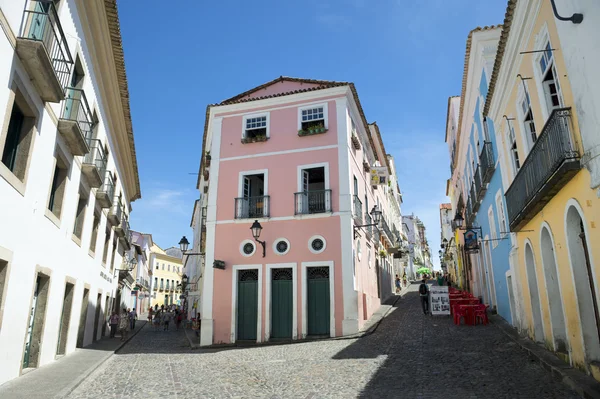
x=68 y=173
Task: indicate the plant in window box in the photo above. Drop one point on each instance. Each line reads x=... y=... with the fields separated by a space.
x=382 y=253
x=355 y=141
x=206 y=174
x=207 y=157
x=254 y=139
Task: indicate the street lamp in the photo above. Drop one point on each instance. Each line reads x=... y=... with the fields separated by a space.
x=184 y=244
x=375 y=216
x=256 y=229
x=458 y=220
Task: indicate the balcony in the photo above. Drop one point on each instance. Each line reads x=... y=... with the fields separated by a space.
x=43 y=50
x=480 y=187
x=94 y=163
x=552 y=162
x=487 y=163
x=75 y=123
x=122 y=231
x=473 y=197
x=106 y=192
x=252 y=207
x=162 y=288
x=116 y=212
x=368 y=229
x=311 y=202
x=357 y=210
x=469 y=216
x=388 y=232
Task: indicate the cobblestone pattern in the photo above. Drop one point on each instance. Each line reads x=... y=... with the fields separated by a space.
x=409 y=356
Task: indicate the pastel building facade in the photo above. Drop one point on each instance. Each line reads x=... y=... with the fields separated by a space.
x=167 y=271
x=68 y=174
x=547 y=156
x=298 y=157
x=478 y=180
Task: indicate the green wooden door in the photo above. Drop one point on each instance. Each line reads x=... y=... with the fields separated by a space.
x=247 y=305
x=281 y=303
x=318 y=301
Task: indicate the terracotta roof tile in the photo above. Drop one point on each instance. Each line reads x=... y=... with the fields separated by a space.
x=112 y=15
x=510 y=10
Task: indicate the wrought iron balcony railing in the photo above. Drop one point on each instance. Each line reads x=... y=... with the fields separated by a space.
x=43 y=49
x=368 y=229
x=480 y=187
x=388 y=231
x=552 y=162
x=75 y=123
x=357 y=209
x=309 y=202
x=252 y=207
x=106 y=192
x=94 y=163
x=487 y=163
x=473 y=197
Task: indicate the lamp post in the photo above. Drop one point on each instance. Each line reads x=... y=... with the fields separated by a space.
x=375 y=215
x=183 y=246
x=256 y=230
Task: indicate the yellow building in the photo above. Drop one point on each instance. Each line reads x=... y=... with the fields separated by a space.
x=552 y=208
x=167 y=272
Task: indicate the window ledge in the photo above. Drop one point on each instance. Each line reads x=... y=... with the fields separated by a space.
x=12 y=179
x=91 y=253
x=258 y=139
x=303 y=133
x=76 y=239
x=52 y=217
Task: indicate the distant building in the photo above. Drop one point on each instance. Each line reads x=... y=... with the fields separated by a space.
x=167 y=272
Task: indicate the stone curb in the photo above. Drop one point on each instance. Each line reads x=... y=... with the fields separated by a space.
x=361 y=334
x=583 y=384
x=78 y=380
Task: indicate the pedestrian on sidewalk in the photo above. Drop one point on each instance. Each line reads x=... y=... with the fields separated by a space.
x=124 y=325
x=166 y=319
x=132 y=318
x=156 y=320
x=150 y=311
x=424 y=294
x=114 y=322
x=440 y=280
x=397 y=284
x=405 y=280
x=179 y=318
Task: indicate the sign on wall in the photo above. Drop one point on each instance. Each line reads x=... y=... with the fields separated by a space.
x=379 y=175
x=471 y=243
x=440 y=300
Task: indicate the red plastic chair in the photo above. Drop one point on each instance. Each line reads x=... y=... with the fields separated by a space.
x=481 y=313
x=460 y=312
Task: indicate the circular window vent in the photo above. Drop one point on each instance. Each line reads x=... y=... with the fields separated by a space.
x=281 y=246
x=247 y=248
x=316 y=244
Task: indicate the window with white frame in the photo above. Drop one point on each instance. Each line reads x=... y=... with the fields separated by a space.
x=502 y=225
x=527 y=118
x=312 y=117
x=255 y=127
x=549 y=76
x=492 y=221
x=512 y=143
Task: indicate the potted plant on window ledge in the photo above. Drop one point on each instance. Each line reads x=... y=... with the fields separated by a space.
x=382 y=253
x=254 y=139
x=207 y=157
x=315 y=129
x=355 y=142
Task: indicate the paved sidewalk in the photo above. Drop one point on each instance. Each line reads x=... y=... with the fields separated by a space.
x=58 y=379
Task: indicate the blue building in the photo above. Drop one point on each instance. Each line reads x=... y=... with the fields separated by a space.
x=476 y=174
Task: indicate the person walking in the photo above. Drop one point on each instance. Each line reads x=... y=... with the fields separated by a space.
x=424 y=294
x=114 y=322
x=166 y=319
x=124 y=324
x=156 y=320
x=397 y=281
x=179 y=318
x=132 y=318
x=440 y=279
x=150 y=311
x=405 y=280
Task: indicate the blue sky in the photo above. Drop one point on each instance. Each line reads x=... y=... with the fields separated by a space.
x=405 y=57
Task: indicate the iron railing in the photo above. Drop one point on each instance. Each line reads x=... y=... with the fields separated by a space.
x=126 y=229
x=357 y=209
x=96 y=156
x=468 y=213
x=108 y=185
x=387 y=230
x=117 y=209
x=252 y=207
x=41 y=23
x=480 y=187
x=473 y=197
x=368 y=229
x=309 y=202
x=554 y=148
x=487 y=162
x=76 y=108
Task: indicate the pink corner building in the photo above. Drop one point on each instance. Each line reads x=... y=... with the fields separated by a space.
x=289 y=171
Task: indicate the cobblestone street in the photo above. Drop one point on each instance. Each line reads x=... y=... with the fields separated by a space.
x=409 y=356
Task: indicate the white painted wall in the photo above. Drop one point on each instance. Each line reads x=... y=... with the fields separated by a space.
x=32 y=238
x=581 y=51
